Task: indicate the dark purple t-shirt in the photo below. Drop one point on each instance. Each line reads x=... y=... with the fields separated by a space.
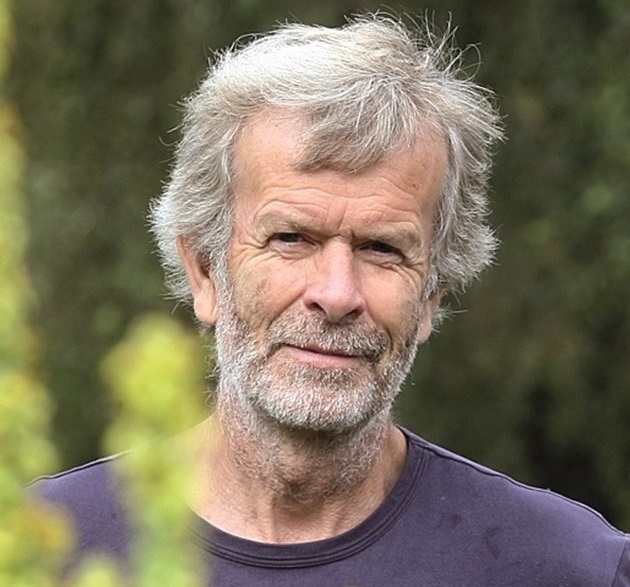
x=448 y=522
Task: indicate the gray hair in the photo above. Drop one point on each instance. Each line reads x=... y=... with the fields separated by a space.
x=365 y=90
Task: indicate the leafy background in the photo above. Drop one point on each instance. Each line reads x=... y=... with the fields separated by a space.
x=531 y=375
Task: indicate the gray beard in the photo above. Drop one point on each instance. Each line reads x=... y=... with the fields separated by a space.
x=273 y=407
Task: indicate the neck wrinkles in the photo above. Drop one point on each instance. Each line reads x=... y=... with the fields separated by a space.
x=281 y=485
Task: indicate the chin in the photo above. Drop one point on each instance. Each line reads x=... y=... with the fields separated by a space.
x=323 y=420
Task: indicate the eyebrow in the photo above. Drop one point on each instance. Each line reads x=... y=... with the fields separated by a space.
x=277 y=220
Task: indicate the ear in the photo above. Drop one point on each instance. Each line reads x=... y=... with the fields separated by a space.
x=428 y=312
x=201 y=281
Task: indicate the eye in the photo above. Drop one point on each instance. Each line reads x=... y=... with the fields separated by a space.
x=290 y=244
x=383 y=248
x=288 y=237
x=382 y=252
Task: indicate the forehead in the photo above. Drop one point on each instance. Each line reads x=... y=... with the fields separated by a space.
x=268 y=156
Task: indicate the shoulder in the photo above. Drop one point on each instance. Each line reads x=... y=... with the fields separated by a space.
x=92 y=496
x=520 y=525
x=90 y=486
x=477 y=485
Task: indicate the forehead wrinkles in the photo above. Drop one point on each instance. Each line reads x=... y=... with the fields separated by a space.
x=333 y=206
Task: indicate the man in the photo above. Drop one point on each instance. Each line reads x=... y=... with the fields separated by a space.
x=329 y=189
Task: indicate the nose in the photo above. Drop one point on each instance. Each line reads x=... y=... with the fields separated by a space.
x=334 y=288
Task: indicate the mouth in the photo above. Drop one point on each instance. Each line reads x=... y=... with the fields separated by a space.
x=326 y=351
x=323 y=358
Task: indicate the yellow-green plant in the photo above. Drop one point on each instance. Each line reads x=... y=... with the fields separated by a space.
x=156 y=375
x=32 y=538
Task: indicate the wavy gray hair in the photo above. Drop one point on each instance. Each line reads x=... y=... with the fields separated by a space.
x=365 y=89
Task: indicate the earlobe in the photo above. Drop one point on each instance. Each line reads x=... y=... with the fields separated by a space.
x=201 y=281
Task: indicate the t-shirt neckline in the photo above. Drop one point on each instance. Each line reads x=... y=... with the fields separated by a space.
x=305 y=554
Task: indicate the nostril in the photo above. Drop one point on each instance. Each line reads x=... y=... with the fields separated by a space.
x=335 y=306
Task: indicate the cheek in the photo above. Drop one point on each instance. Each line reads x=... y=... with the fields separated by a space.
x=403 y=324
x=400 y=315
x=265 y=291
x=393 y=301
x=250 y=295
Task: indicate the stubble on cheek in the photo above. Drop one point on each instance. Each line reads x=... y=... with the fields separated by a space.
x=252 y=298
x=254 y=327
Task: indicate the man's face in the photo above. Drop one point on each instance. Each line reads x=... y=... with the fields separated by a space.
x=322 y=316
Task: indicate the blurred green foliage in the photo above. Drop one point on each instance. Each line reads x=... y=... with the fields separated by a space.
x=154 y=373
x=32 y=540
x=531 y=374
x=534 y=378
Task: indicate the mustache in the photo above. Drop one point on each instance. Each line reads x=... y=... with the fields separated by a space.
x=359 y=340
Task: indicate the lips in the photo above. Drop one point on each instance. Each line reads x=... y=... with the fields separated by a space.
x=352 y=350
x=322 y=358
x=325 y=351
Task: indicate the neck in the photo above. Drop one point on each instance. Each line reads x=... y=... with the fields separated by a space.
x=278 y=485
